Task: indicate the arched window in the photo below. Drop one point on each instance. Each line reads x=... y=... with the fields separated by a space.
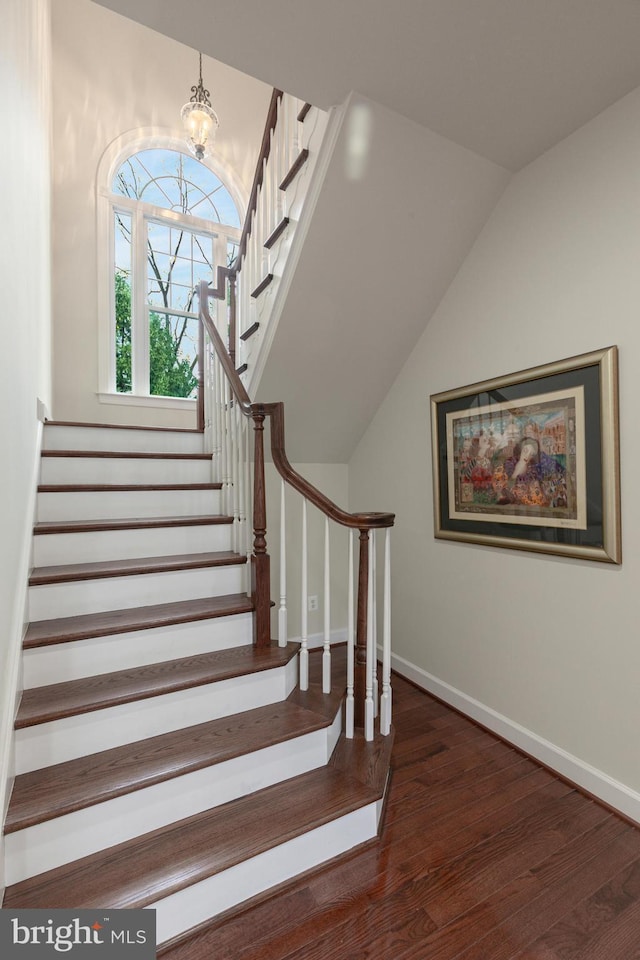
x=172 y=221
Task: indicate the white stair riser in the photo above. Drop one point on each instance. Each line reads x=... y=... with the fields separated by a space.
x=55 y=842
x=47 y=743
x=52 y=600
x=60 y=662
x=100 y=438
x=120 y=504
x=121 y=470
x=194 y=904
x=95 y=546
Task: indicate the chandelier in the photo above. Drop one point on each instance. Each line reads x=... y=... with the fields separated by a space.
x=199 y=119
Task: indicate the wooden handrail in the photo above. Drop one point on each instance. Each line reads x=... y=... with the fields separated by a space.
x=260 y=561
x=359 y=521
x=275 y=412
x=265 y=150
x=236 y=384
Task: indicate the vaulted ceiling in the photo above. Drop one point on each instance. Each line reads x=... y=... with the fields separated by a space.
x=463 y=93
x=505 y=78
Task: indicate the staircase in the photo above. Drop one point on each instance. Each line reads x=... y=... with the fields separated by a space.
x=162 y=759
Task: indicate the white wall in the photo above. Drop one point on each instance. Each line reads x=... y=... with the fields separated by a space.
x=543 y=649
x=25 y=320
x=111 y=76
x=397 y=212
x=332 y=480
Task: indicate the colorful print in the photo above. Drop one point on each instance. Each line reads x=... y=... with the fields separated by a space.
x=519 y=463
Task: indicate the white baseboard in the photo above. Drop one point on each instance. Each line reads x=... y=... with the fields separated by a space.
x=594 y=781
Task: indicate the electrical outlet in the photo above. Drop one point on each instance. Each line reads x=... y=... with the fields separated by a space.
x=313 y=603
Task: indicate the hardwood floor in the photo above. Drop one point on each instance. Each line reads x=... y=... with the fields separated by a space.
x=484 y=856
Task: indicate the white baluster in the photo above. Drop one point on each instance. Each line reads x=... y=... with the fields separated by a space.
x=385 y=701
x=304 y=639
x=282 y=611
x=350 y=646
x=226 y=443
x=219 y=424
x=326 y=653
x=368 y=703
x=275 y=162
x=374 y=624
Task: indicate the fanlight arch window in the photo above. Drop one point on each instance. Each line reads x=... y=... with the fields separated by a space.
x=173 y=221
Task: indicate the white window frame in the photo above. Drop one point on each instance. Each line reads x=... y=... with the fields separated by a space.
x=108 y=203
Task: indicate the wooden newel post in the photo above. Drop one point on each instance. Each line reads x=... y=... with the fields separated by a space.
x=360 y=665
x=260 y=573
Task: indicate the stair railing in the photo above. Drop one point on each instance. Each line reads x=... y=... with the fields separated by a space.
x=289 y=150
x=229 y=414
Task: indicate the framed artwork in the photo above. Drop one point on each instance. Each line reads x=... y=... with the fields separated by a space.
x=530 y=461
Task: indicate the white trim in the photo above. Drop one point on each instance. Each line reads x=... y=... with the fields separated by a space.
x=596 y=782
x=116 y=152
x=192 y=905
x=136 y=400
x=12 y=681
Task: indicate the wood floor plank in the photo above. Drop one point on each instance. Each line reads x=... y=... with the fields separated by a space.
x=606 y=924
x=553 y=901
x=530 y=850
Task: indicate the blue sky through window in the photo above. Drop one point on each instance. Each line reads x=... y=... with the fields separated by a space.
x=175 y=181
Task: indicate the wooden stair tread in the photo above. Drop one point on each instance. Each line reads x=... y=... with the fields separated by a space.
x=75 y=784
x=125 y=455
x=120 y=426
x=314 y=699
x=74 y=697
x=41 y=633
x=122 y=487
x=149 y=868
x=63 y=573
x=127 y=523
x=366 y=761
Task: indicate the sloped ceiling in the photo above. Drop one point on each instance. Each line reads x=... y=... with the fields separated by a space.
x=380 y=252
x=462 y=93
x=505 y=78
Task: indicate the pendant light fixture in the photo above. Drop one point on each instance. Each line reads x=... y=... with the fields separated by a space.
x=200 y=119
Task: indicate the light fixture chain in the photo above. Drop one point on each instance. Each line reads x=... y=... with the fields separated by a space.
x=198 y=92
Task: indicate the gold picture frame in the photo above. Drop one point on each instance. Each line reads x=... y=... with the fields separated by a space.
x=530 y=461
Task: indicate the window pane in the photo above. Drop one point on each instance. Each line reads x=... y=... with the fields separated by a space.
x=173 y=349
x=181 y=272
x=202 y=271
x=122 y=301
x=158 y=265
x=159 y=237
x=182 y=297
x=175 y=181
x=203 y=248
x=232 y=251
